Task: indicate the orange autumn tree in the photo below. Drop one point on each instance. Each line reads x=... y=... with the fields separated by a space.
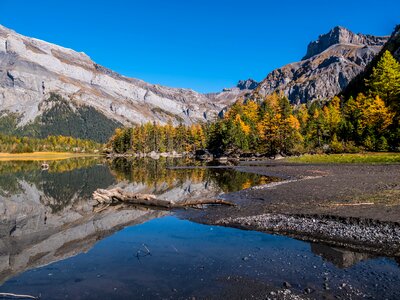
x=278 y=128
x=271 y=124
x=155 y=137
x=237 y=130
x=369 y=119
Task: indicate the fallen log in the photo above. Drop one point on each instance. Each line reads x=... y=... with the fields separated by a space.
x=117 y=195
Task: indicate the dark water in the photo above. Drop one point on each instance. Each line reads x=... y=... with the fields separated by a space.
x=53 y=245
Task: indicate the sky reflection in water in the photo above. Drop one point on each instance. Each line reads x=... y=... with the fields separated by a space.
x=90 y=256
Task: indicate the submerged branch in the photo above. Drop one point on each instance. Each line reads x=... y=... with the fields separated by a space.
x=16 y=296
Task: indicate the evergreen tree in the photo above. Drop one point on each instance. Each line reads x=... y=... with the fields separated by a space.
x=385 y=80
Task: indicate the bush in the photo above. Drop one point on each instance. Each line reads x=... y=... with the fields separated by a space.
x=298 y=149
x=350 y=147
x=369 y=143
x=335 y=146
x=382 y=144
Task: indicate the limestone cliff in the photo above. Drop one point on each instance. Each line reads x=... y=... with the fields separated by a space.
x=229 y=95
x=32 y=70
x=341 y=35
x=357 y=84
x=330 y=64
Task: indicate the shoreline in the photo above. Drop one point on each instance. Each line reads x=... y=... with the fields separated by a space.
x=360 y=235
x=355 y=206
x=43 y=156
x=307 y=158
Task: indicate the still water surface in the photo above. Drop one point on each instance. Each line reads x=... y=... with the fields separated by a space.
x=53 y=245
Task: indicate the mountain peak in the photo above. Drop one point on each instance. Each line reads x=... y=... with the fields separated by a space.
x=341 y=35
x=248 y=84
x=331 y=62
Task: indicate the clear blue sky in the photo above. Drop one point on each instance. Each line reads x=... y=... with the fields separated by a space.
x=204 y=45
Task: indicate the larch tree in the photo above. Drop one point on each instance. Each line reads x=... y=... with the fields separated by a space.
x=385 y=80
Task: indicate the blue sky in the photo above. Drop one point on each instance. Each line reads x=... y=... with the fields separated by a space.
x=203 y=45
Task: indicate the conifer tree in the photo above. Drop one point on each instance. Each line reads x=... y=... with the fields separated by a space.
x=385 y=80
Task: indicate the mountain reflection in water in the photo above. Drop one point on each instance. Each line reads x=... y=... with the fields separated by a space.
x=48 y=215
x=53 y=243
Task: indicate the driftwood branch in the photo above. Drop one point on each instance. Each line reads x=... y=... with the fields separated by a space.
x=17 y=296
x=117 y=195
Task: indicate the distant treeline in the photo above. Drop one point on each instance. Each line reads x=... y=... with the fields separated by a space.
x=159 y=138
x=271 y=125
x=12 y=144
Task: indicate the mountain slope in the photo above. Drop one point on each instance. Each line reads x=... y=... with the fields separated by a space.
x=229 y=95
x=33 y=71
x=330 y=63
x=357 y=85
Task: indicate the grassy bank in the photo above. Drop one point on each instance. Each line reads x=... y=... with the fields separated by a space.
x=42 y=156
x=348 y=158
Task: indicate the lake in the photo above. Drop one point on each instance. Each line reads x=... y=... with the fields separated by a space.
x=55 y=245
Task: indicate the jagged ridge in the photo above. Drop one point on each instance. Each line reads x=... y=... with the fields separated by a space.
x=357 y=85
x=341 y=35
x=330 y=64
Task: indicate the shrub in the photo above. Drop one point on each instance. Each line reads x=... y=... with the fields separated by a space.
x=350 y=147
x=335 y=146
x=382 y=144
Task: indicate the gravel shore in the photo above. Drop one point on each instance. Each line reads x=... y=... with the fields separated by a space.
x=351 y=205
x=382 y=238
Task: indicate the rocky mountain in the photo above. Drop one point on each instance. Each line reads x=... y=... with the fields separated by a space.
x=229 y=95
x=45 y=88
x=248 y=84
x=357 y=85
x=330 y=63
x=341 y=35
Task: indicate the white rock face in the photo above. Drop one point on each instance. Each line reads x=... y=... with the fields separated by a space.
x=31 y=69
x=330 y=64
x=31 y=235
x=229 y=95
